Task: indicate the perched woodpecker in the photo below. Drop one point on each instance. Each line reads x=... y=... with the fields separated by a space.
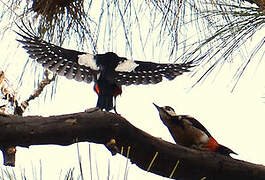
x=189 y=132
x=108 y=71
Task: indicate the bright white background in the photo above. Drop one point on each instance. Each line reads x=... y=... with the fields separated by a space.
x=236 y=119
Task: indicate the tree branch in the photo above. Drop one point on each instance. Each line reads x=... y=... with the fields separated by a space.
x=119 y=135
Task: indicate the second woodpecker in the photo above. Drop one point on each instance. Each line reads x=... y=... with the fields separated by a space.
x=189 y=132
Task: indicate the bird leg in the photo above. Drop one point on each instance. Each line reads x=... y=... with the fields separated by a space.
x=114 y=107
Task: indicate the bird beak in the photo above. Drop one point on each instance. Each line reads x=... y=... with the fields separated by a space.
x=157 y=107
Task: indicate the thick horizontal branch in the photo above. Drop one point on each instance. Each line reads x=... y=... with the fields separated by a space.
x=140 y=147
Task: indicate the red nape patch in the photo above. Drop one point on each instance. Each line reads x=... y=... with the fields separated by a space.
x=117 y=91
x=212 y=144
x=96 y=88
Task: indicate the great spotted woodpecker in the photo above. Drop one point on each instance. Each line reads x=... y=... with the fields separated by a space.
x=108 y=71
x=189 y=132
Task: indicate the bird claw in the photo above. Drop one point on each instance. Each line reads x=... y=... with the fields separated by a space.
x=199 y=147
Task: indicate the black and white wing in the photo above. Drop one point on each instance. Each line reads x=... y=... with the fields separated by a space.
x=138 y=72
x=195 y=123
x=70 y=63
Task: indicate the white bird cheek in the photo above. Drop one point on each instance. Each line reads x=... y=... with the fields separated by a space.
x=171 y=113
x=204 y=138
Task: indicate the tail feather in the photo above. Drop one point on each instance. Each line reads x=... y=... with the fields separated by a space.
x=224 y=150
x=106 y=93
x=105 y=102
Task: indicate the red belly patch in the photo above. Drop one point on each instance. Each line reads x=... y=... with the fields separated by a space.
x=96 y=88
x=212 y=144
x=117 y=91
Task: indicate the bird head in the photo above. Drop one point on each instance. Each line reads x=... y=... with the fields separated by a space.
x=165 y=111
x=169 y=117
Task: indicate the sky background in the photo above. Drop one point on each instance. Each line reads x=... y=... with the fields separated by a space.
x=235 y=119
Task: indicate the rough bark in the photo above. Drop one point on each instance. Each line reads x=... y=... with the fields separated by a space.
x=141 y=148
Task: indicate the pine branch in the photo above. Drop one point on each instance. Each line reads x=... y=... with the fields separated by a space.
x=46 y=81
x=147 y=152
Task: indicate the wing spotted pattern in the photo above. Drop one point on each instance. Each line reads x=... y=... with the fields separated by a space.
x=151 y=73
x=59 y=60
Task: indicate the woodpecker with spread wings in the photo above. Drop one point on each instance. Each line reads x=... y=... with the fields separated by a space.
x=189 y=132
x=108 y=71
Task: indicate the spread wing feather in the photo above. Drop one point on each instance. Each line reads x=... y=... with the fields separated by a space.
x=151 y=73
x=57 y=59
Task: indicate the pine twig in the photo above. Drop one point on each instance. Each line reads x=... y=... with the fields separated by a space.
x=46 y=81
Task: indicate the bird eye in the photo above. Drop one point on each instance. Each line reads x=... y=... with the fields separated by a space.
x=168 y=108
